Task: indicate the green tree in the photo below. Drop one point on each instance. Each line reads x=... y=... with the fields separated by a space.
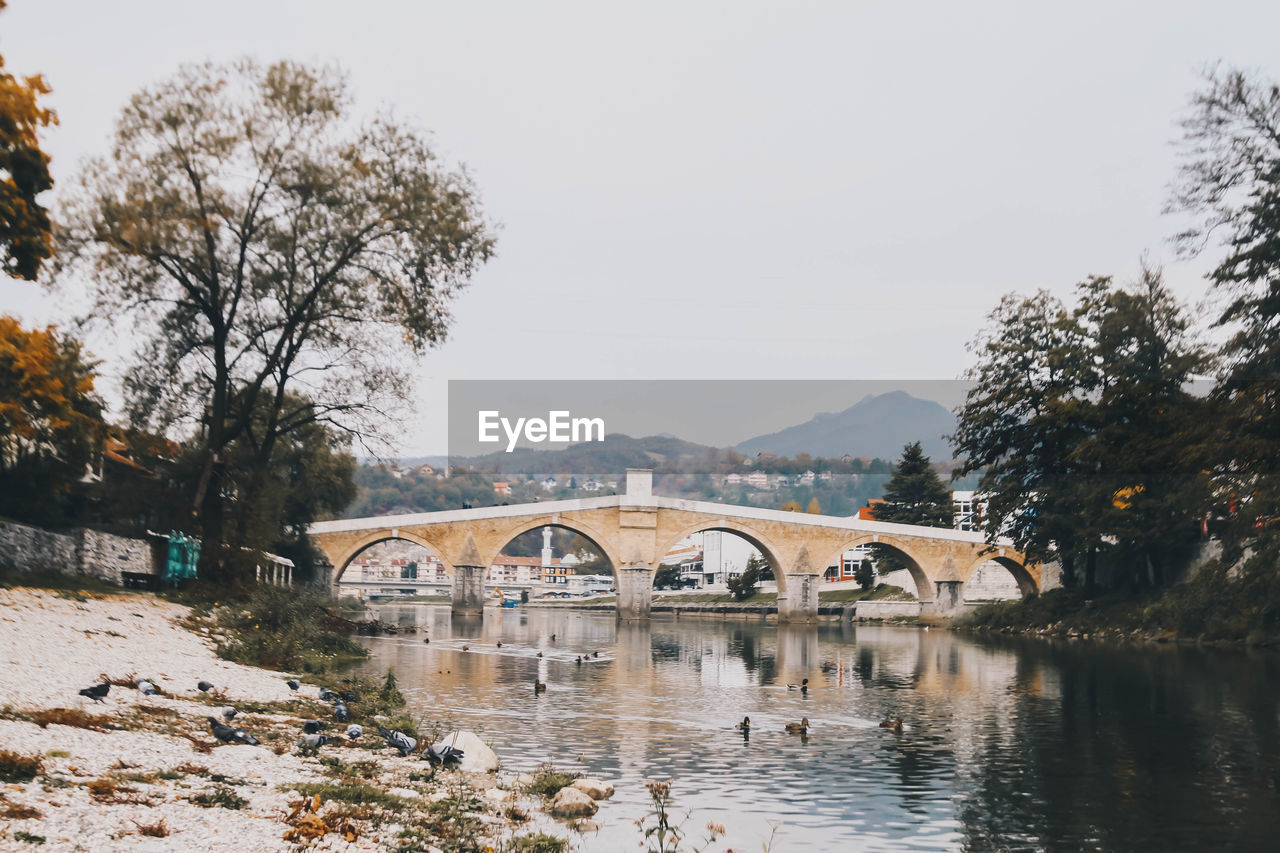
x=50 y=420
x=1141 y=484
x=865 y=575
x=25 y=238
x=744 y=585
x=268 y=249
x=1083 y=428
x=666 y=575
x=1021 y=421
x=1230 y=184
x=915 y=494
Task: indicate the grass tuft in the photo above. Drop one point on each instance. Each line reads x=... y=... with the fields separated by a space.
x=355 y=793
x=15 y=767
x=547 y=781
x=221 y=796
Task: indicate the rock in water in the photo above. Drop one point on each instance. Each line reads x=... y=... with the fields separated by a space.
x=594 y=788
x=570 y=802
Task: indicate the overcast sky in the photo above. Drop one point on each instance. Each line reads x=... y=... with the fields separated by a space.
x=723 y=190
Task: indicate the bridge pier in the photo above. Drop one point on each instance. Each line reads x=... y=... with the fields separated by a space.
x=946 y=599
x=635 y=592
x=800 y=602
x=468 y=590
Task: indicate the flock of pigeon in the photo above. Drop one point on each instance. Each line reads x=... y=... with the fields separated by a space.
x=312 y=739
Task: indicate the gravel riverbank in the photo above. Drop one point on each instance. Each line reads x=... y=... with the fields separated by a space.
x=144 y=773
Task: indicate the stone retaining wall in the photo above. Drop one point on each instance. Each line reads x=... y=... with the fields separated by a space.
x=886 y=609
x=24 y=549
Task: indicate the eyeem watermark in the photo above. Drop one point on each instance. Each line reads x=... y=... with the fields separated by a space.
x=558 y=427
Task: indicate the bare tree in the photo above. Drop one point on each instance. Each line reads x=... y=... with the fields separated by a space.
x=277 y=258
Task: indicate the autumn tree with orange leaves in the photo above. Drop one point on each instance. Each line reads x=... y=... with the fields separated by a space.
x=50 y=420
x=25 y=238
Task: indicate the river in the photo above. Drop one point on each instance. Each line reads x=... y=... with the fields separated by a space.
x=1007 y=744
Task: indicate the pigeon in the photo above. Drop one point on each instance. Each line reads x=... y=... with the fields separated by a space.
x=293 y=684
x=354 y=731
x=441 y=755
x=348 y=696
x=226 y=734
x=313 y=741
x=204 y=687
x=340 y=712
x=97 y=691
x=147 y=688
x=399 y=740
x=312 y=726
x=327 y=695
x=228 y=713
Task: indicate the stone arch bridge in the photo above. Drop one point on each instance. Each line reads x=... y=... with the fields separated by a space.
x=636 y=529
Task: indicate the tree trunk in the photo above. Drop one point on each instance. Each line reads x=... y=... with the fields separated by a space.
x=1068 y=569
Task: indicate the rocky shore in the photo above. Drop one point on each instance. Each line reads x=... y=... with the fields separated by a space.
x=144 y=773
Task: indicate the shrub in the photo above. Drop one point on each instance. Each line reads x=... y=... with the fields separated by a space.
x=287 y=628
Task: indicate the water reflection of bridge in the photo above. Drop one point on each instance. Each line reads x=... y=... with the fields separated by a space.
x=634 y=530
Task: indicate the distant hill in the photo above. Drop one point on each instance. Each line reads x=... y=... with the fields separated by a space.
x=614 y=455
x=877 y=426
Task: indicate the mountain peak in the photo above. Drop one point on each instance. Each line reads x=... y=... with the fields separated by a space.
x=877 y=425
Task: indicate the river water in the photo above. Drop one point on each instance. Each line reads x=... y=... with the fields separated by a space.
x=1007 y=744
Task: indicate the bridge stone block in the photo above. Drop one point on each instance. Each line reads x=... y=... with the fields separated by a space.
x=635 y=592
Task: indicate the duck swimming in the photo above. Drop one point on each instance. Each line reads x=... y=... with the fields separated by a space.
x=745 y=725
x=895 y=724
x=538 y=686
x=799 y=728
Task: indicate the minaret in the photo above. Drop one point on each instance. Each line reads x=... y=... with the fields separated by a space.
x=546 y=547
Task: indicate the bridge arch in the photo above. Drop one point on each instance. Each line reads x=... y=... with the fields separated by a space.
x=595 y=537
x=761 y=543
x=340 y=566
x=924 y=584
x=1027 y=583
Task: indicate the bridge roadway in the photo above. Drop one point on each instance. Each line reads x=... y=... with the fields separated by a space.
x=636 y=529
